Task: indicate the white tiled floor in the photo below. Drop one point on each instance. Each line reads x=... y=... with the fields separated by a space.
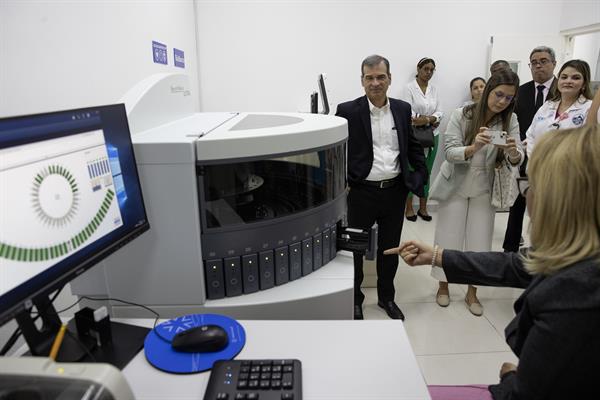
x=452 y=345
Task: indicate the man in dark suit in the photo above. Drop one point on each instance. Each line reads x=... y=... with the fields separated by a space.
x=382 y=149
x=530 y=98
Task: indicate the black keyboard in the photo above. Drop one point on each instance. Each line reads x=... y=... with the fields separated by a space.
x=255 y=380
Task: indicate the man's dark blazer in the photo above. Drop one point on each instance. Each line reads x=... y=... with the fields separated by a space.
x=525 y=105
x=360 y=143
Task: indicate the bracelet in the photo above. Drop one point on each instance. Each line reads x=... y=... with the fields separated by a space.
x=513 y=157
x=435 y=253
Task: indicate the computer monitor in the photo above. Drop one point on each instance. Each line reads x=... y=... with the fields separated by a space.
x=323 y=93
x=69 y=196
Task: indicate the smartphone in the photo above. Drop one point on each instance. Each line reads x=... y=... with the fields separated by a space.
x=498 y=137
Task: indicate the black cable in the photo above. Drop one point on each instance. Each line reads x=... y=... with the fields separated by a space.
x=157 y=315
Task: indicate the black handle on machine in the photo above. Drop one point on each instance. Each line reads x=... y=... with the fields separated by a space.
x=314 y=103
x=359 y=241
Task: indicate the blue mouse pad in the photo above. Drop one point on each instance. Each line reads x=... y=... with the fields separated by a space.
x=162 y=356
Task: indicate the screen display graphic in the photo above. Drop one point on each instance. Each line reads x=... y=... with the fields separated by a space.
x=62 y=196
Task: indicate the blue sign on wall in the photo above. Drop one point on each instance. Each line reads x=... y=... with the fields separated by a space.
x=159 y=52
x=179 y=58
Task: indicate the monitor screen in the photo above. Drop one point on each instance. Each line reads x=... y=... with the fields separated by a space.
x=69 y=196
x=323 y=92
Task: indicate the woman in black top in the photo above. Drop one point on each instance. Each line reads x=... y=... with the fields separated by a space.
x=555 y=331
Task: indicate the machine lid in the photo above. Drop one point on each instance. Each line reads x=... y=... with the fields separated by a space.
x=250 y=135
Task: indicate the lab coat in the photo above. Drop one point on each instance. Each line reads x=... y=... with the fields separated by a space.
x=545 y=119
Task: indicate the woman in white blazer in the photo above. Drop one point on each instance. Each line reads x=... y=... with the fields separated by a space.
x=569 y=106
x=464 y=185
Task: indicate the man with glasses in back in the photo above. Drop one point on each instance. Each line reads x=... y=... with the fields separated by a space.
x=530 y=98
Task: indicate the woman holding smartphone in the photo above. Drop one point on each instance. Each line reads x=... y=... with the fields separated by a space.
x=464 y=185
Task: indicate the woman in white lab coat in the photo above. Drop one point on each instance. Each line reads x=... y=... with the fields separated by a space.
x=426 y=113
x=463 y=187
x=569 y=106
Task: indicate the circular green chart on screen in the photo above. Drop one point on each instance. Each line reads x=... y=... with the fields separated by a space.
x=55 y=200
x=55 y=195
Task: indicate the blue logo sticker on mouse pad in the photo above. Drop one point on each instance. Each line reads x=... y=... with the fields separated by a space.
x=162 y=356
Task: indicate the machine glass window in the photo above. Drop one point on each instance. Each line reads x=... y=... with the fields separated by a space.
x=247 y=192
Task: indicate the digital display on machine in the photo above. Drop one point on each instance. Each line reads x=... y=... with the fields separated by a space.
x=69 y=194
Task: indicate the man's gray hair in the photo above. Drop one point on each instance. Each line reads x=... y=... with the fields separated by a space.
x=373 y=61
x=544 y=49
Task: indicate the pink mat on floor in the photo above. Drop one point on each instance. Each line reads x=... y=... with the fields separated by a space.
x=467 y=392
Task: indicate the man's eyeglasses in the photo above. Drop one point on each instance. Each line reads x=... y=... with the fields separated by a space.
x=541 y=62
x=500 y=95
x=523 y=183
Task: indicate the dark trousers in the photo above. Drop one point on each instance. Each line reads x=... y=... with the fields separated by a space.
x=514 y=228
x=367 y=205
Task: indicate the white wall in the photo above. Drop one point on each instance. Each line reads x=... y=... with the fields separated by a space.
x=69 y=54
x=587 y=47
x=265 y=55
x=577 y=14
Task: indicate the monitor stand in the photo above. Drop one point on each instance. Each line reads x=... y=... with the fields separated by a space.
x=127 y=340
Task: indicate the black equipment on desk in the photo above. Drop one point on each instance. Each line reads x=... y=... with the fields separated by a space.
x=255 y=379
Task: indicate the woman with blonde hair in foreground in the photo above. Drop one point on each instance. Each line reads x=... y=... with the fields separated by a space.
x=555 y=331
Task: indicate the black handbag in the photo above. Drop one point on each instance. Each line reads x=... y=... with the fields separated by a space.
x=424 y=134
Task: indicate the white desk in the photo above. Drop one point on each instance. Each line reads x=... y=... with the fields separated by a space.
x=355 y=360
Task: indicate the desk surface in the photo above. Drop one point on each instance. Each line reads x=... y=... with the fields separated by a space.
x=366 y=360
